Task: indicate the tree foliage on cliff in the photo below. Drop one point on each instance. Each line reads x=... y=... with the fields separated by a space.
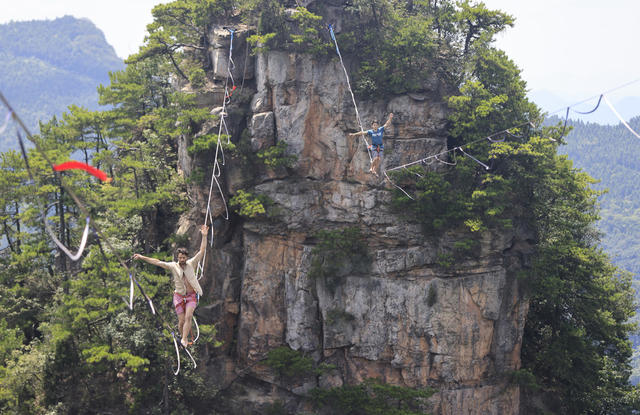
x=576 y=336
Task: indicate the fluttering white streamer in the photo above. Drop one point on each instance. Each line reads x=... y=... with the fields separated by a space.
x=83 y=241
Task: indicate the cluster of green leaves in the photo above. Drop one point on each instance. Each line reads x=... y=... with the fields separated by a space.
x=336 y=315
x=276 y=29
x=277 y=156
x=207 y=142
x=273 y=157
x=248 y=205
x=288 y=362
x=337 y=254
x=372 y=397
x=401 y=45
x=432 y=295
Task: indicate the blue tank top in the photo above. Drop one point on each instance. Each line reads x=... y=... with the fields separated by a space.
x=376 y=136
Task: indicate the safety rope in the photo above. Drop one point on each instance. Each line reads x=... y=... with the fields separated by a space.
x=197 y=329
x=131 y=289
x=455 y=161
x=7 y=118
x=606 y=100
x=493 y=140
x=398 y=187
x=353 y=98
x=473 y=158
x=217 y=170
x=244 y=66
x=175 y=343
x=594 y=109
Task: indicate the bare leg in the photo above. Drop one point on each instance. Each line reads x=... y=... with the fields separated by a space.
x=186 y=328
x=180 y=323
x=374 y=165
x=372 y=169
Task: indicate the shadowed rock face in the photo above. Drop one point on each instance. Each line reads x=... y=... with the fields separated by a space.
x=400 y=316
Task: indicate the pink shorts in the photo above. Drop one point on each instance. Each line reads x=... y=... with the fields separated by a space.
x=181 y=302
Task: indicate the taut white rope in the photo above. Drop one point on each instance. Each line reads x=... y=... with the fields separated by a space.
x=619 y=116
x=353 y=98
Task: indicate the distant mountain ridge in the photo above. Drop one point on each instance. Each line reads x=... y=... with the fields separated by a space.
x=47 y=65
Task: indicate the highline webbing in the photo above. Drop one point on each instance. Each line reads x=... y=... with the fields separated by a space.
x=353 y=98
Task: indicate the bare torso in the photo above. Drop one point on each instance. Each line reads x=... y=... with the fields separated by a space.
x=186 y=282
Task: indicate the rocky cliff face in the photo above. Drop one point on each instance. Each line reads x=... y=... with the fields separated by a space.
x=402 y=317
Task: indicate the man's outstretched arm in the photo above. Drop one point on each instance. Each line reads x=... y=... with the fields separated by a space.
x=152 y=261
x=203 y=244
x=388 y=123
x=358 y=133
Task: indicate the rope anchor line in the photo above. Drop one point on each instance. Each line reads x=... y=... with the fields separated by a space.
x=353 y=98
x=217 y=169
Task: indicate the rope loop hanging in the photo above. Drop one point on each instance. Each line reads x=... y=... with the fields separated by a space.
x=63 y=248
x=217 y=169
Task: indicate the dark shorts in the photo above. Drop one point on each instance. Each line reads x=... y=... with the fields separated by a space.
x=182 y=302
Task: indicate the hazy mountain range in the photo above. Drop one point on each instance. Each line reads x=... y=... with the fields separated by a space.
x=45 y=66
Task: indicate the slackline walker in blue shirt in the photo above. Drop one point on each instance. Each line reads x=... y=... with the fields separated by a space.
x=377 y=147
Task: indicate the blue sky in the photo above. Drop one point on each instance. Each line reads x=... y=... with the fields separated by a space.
x=568 y=50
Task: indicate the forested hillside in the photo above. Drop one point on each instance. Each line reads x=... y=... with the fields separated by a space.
x=46 y=66
x=70 y=343
x=611 y=155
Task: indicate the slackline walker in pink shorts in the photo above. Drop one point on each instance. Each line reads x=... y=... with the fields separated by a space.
x=181 y=302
